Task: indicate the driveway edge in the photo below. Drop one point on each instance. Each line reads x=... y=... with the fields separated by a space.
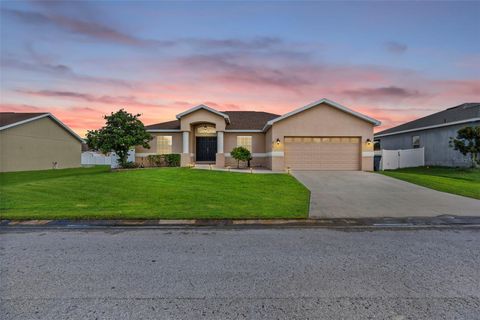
x=326 y=223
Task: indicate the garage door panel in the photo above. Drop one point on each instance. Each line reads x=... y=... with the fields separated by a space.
x=322 y=153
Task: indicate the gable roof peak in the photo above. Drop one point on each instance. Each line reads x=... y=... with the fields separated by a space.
x=204 y=107
x=330 y=103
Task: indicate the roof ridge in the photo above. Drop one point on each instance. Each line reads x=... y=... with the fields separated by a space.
x=248 y=111
x=13 y=112
x=465 y=104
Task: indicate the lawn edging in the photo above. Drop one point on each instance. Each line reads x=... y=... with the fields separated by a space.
x=386 y=222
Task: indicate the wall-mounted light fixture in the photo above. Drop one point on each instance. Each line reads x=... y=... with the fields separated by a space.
x=369 y=142
x=277 y=141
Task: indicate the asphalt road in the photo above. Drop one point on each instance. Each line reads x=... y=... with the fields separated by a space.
x=240 y=274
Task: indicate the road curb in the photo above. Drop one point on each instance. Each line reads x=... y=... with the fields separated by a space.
x=342 y=223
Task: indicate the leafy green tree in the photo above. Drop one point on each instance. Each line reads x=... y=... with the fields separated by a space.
x=467 y=142
x=241 y=154
x=121 y=132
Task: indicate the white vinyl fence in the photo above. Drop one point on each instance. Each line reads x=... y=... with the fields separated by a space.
x=91 y=158
x=395 y=159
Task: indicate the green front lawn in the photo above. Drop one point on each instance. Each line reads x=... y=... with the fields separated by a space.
x=166 y=193
x=461 y=181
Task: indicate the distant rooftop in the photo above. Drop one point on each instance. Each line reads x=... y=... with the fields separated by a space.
x=13 y=119
x=462 y=112
x=8 y=118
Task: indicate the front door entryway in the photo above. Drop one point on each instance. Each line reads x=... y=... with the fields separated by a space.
x=206 y=148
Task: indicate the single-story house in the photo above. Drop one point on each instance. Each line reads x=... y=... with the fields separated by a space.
x=37 y=141
x=323 y=135
x=433 y=133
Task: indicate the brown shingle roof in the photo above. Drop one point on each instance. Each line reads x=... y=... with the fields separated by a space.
x=248 y=120
x=239 y=120
x=175 y=125
x=8 y=118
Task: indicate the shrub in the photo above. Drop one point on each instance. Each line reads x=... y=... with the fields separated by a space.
x=155 y=160
x=172 y=160
x=467 y=142
x=164 y=160
x=241 y=154
x=130 y=165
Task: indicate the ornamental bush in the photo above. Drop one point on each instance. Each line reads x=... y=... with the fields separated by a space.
x=467 y=142
x=241 y=154
x=172 y=160
x=164 y=160
x=155 y=160
x=129 y=165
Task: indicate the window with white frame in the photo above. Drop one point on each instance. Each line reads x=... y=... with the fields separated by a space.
x=164 y=144
x=416 y=142
x=245 y=141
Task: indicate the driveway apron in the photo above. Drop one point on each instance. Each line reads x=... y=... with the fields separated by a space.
x=357 y=194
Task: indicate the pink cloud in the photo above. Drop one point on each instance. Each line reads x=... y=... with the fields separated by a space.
x=248 y=82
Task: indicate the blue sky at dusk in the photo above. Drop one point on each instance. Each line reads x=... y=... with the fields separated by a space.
x=395 y=61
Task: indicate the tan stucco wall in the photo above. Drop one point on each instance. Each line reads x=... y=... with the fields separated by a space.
x=367 y=163
x=35 y=145
x=258 y=141
x=176 y=143
x=322 y=120
x=268 y=148
x=202 y=116
x=258 y=146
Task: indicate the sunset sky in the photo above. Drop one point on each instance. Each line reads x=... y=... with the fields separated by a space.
x=392 y=61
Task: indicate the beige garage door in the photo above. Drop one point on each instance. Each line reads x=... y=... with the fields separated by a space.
x=322 y=153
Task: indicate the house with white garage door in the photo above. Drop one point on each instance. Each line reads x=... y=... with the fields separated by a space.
x=323 y=135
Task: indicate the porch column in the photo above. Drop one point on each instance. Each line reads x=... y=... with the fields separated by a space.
x=219 y=141
x=185 y=159
x=185 y=142
x=220 y=157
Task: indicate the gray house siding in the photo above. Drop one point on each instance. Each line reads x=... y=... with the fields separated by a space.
x=436 y=144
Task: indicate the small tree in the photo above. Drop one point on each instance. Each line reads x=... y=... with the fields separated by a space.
x=241 y=154
x=468 y=143
x=121 y=132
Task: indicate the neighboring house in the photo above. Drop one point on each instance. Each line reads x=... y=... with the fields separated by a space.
x=36 y=141
x=323 y=135
x=433 y=133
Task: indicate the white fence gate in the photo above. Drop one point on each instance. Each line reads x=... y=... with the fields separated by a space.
x=91 y=158
x=395 y=159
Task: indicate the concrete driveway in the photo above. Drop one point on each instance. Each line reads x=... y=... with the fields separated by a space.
x=353 y=194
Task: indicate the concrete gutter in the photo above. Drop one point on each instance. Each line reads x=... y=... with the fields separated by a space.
x=445 y=221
